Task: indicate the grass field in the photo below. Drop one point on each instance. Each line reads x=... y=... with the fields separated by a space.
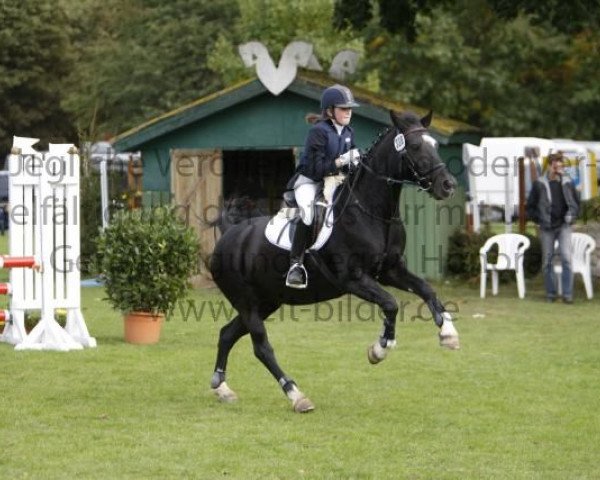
x=519 y=400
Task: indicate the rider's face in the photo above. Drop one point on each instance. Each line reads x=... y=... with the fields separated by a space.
x=342 y=115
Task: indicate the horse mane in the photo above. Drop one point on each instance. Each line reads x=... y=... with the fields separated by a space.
x=405 y=120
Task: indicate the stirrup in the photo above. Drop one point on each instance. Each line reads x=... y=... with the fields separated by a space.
x=303 y=283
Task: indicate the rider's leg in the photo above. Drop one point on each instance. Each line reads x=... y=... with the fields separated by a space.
x=305 y=197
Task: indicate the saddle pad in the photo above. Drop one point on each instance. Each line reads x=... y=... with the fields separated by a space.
x=278 y=229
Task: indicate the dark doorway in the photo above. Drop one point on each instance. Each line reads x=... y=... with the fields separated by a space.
x=258 y=174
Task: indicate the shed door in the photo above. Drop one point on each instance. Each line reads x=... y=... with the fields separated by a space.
x=197 y=193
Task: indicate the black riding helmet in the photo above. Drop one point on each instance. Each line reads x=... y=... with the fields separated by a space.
x=337 y=96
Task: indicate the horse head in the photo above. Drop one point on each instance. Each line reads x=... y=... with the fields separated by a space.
x=411 y=155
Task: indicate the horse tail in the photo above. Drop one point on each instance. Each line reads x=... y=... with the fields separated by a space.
x=236 y=210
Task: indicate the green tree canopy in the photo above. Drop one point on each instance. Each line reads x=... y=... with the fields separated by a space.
x=34 y=60
x=137 y=59
x=510 y=67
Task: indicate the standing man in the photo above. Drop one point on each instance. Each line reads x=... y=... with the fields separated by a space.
x=553 y=204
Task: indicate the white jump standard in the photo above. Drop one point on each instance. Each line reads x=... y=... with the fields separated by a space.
x=44 y=248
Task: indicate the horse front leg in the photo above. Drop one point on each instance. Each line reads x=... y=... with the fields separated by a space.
x=400 y=277
x=368 y=289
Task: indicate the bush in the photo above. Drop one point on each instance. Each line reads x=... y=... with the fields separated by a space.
x=590 y=210
x=91 y=220
x=463 y=252
x=533 y=257
x=463 y=255
x=146 y=258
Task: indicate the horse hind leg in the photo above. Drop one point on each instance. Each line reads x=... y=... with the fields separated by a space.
x=228 y=337
x=264 y=352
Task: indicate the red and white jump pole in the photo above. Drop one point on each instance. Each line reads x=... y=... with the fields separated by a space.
x=5 y=289
x=6 y=261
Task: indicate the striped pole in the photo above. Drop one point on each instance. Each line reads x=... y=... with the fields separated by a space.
x=6 y=261
x=4 y=316
x=5 y=289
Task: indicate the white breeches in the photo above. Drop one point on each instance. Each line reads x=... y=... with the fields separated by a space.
x=306 y=191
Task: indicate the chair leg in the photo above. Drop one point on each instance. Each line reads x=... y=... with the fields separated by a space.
x=587 y=281
x=494 y=282
x=520 y=283
x=482 y=283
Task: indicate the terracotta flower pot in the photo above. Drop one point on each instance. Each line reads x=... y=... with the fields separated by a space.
x=142 y=328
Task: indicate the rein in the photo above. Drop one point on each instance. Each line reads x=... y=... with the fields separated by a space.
x=420 y=180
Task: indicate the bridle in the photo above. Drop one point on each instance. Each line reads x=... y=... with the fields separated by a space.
x=420 y=180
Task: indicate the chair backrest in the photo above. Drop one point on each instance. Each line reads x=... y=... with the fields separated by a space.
x=582 y=246
x=511 y=249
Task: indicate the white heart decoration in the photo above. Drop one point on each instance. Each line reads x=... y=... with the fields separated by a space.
x=276 y=78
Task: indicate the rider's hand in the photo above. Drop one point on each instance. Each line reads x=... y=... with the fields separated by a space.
x=351 y=156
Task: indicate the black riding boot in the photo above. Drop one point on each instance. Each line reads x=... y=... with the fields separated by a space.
x=297 y=276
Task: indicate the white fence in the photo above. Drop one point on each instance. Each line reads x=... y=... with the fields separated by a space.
x=44 y=216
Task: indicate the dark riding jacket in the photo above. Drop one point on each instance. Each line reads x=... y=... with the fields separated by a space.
x=539 y=202
x=323 y=145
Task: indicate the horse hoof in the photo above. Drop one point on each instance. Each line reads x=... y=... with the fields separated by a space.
x=225 y=394
x=450 y=342
x=373 y=359
x=303 y=405
x=375 y=354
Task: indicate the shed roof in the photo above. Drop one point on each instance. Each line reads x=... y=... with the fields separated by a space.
x=307 y=83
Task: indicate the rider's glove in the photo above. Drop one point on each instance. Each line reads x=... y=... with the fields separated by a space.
x=351 y=156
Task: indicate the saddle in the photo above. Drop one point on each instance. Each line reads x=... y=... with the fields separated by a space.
x=281 y=227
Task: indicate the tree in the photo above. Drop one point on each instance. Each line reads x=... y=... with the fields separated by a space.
x=139 y=59
x=276 y=24
x=399 y=16
x=35 y=58
x=508 y=76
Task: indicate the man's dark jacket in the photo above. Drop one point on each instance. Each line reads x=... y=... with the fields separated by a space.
x=540 y=200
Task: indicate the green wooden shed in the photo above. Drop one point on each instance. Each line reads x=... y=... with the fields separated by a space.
x=244 y=140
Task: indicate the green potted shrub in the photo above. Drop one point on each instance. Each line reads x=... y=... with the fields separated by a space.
x=146 y=258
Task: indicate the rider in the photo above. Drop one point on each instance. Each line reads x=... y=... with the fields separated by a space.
x=328 y=147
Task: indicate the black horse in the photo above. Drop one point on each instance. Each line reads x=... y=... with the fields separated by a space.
x=365 y=251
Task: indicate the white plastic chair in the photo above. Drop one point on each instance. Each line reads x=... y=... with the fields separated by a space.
x=582 y=246
x=511 y=251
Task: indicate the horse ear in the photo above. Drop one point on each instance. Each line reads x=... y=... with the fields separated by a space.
x=395 y=119
x=426 y=120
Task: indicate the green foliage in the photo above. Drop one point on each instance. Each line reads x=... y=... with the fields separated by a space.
x=522 y=68
x=34 y=59
x=464 y=260
x=146 y=258
x=510 y=77
x=589 y=211
x=91 y=220
x=136 y=60
x=463 y=252
x=532 y=263
x=571 y=17
x=276 y=24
